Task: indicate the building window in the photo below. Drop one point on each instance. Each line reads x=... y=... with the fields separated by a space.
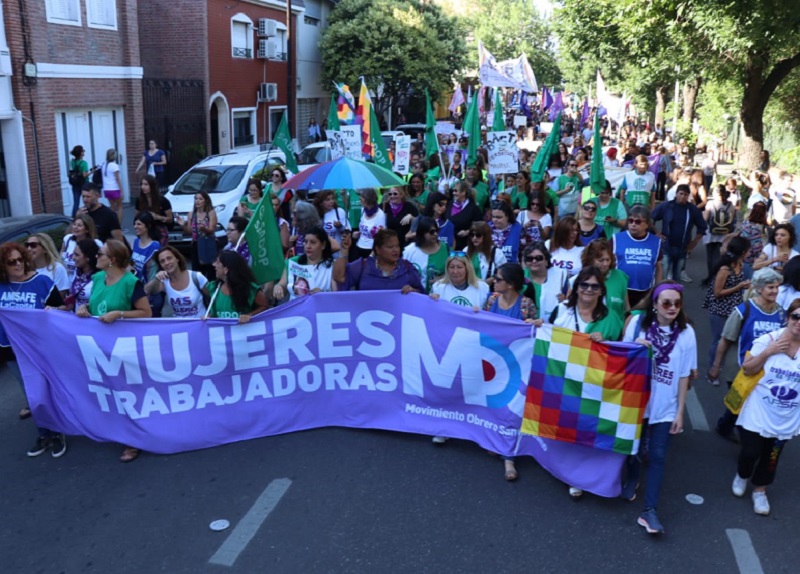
x=280 y=39
x=101 y=14
x=244 y=123
x=275 y=117
x=63 y=12
x=311 y=21
x=242 y=36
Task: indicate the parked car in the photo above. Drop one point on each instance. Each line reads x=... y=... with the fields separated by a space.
x=412 y=130
x=19 y=227
x=390 y=136
x=224 y=177
x=313 y=154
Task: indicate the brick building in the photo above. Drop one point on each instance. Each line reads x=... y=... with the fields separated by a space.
x=221 y=82
x=76 y=80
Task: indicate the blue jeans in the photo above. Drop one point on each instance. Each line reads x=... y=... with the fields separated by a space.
x=673 y=261
x=657 y=437
x=717 y=323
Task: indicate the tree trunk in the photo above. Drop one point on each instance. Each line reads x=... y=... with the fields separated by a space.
x=752 y=116
x=661 y=104
x=690 y=90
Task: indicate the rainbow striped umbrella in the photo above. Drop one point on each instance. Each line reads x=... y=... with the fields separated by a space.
x=344 y=173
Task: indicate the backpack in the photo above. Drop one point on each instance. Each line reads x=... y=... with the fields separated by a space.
x=75 y=175
x=97 y=176
x=723 y=221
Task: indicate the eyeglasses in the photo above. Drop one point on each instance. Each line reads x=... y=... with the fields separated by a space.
x=667 y=304
x=14 y=262
x=433 y=232
x=535 y=204
x=795 y=316
x=392 y=194
x=589 y=207
x=573 y=165
x=532 y=258
x=230 y=230
x=32 y=244
x=635 y=220
x=458 y=254
x=586 y=286
x=442 y=204
x=498 y=278
x=475 y=234
x=276 y=175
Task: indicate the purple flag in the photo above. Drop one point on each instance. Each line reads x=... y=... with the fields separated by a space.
x=557 y=107
x=601 y=111
x=547 y=99
x=653 y=162
x=584 y=113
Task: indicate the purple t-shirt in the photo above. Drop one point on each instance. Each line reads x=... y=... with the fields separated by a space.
x=365 y=276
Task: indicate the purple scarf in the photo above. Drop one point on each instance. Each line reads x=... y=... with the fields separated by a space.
x=457 y=206
x=395 y=208
x=370 y=211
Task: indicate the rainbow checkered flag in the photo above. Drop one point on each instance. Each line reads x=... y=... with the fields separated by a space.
x=587 y=393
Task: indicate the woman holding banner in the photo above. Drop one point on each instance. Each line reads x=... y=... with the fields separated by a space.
x=116 y=295
x=236 y=295
x=665 y=329
x=460 y=285
x=311 y=272
x=548 y=284
x=185 y=290
x=384 y=271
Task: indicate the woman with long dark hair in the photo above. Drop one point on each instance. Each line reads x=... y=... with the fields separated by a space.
x=780 y=248
x=334 y=219
x=85 y=257
x=462 y=211
x=311 y=272
x=145 y=246
x=585 y=311
x=437 y=210
x=536 y=222
x=201 y=223
x=486 y=258
x=185 y=290
x=151 y=201
x=427 y=254
x=506 y=232
x=235 y=293
x=236 y=242
x=664 y=328
x=251 y=199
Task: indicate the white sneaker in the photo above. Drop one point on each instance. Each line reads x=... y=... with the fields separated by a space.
x=739 y=485
x=439 y=439
x=760 y=503
x=685 y=277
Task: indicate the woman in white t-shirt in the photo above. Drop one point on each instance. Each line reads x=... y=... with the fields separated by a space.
x=311 y=272
x=770 y=415
x=460 y=285
x=373 y=219
x=112 y=184
x=82 y=228
x=334 y=219
x=548 y=284
x=779 y=250
x=185 y=290
x=485 y=257
x=664 y=328
x=566 y=247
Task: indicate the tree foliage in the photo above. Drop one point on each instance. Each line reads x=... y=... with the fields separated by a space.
x=396 y=45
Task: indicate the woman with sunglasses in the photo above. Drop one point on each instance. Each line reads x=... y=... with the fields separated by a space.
x=664 y=328
x=570 y=185
x=598 y=254
x=437 y=210
x=508 y=300
x=566 y=246
x=47 y=261
x=311 y=272
x=462 y=212
x=21 y=287
x=116 y=295
x=250 y=200
x=611 y=212
x=234 y=232
x=275 y=188
x=485 y=257
x=185 y=290
x=536 y=222
x=585 y=311
x=769 y=417
x=400 y=213
x=587 y=225
x=548 y=285
x=82 y=228
x=639 y=254
x=427 y=254
x=460 y=285
x=506 y=232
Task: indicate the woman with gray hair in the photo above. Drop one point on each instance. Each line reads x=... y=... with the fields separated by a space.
x=757 y=316
x=372 y=220
x=639 y=254
x=304 y=219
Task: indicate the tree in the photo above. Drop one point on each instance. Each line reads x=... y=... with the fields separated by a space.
x=396 y=45
x=510 y=27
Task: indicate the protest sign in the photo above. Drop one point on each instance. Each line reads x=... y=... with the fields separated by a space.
x=520 y=121
x=503 y=152
x=352 y=141
x=336 y=141
x=402 y=154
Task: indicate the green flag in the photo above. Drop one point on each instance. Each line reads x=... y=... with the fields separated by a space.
x=283 y=141
x=333 y=114
x=597 y=178
x=499 y=124
x=542 y=160
x=380 y=155
x=264 y=240
x=431 y=141
x=472 y=125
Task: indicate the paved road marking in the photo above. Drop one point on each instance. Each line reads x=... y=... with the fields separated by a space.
x=244 y=532
x=695 y=410
x=746 y=557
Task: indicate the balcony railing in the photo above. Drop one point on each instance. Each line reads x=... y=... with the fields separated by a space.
x=242 y=53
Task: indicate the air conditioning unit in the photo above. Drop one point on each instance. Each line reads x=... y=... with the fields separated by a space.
x=268 y=92
x=267 y=27
x=267 y=49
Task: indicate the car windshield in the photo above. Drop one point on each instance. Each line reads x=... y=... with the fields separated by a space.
x=313 y=155
x=211 y=179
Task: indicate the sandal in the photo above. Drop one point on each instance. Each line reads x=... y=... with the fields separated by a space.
x=129 y=454
x=25 y=413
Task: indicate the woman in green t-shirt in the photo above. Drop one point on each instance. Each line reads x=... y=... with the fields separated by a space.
x=78 y=172
x=249 y=202
x=116 y=294
x=599 y=254
x=236 y=295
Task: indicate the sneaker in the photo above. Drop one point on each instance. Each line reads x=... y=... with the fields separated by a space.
x=42 y=444
x=650 y=522
x=685 y=277
x=439 y=439
x=629 y=491
x=760 y=503
x=58 y=444
x=713 y=381
x=739 y=485
x=575 y=493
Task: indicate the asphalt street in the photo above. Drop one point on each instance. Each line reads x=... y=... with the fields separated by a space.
x=340 y=500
